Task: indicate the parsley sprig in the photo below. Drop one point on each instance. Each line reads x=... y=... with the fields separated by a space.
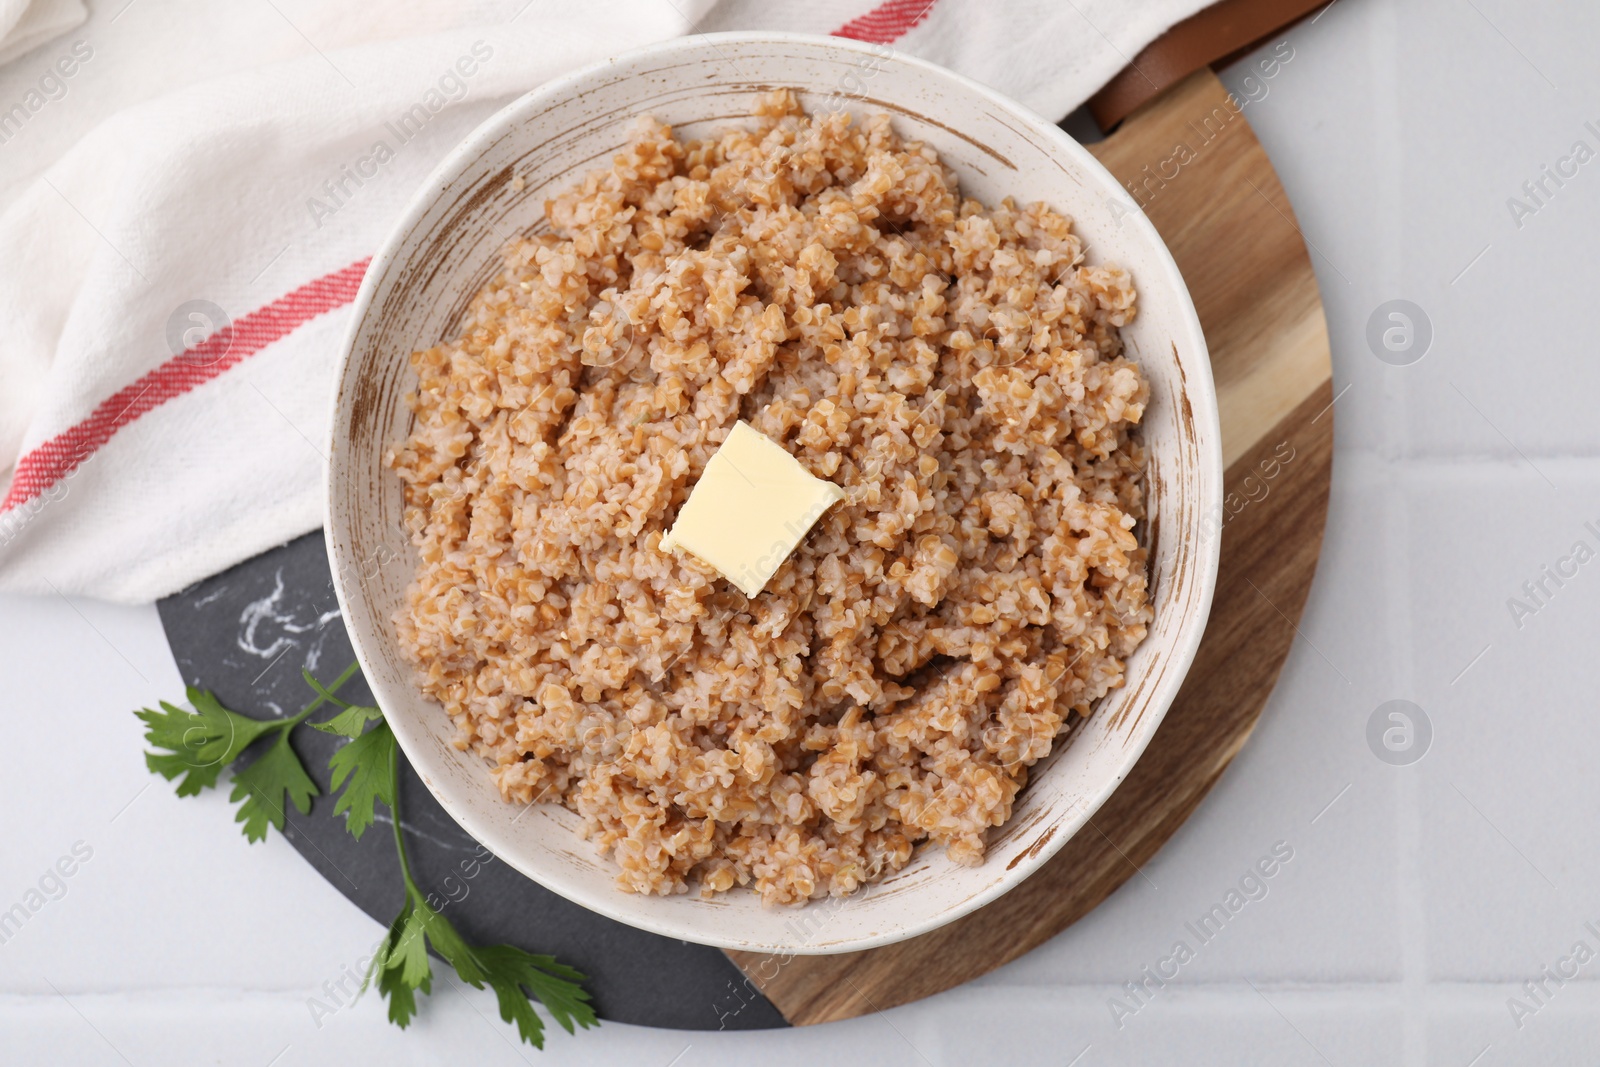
x=199 y=744
x=402 y=966
x=196 y=745
x=364 y=761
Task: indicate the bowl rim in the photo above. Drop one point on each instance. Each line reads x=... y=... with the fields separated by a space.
x=1198 y=387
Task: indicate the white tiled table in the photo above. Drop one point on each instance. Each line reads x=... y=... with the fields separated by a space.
x=1414 y=906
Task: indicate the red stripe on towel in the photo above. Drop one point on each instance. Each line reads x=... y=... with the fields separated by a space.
x=887 y=22
x=194 y=366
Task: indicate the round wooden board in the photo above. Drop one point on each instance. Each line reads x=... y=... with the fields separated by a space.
x=1198 y=171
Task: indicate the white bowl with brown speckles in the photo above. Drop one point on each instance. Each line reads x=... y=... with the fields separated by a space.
x=446 y=246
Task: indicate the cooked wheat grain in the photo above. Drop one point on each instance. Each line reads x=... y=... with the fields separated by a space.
x=957 y=370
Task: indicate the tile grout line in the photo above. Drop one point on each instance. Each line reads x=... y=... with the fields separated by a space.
x=1385 y=57
x=1411 y=916
x=1467 y=460
x=1366 y=993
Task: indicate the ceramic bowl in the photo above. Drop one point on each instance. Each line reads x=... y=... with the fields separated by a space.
x=447 y=245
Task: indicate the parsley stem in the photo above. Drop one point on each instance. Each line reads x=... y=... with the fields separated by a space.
x=300 y=717
x=394 y=814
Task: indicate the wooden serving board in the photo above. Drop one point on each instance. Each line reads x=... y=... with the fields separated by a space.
x=1204 y=180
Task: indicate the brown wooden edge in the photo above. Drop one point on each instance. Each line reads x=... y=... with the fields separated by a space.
x=1215 y=35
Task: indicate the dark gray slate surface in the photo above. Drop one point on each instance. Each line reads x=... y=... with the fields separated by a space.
x=246 y=633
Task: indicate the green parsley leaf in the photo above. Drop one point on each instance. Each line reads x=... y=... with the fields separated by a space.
x=198 y=743
x=365 y=762
x=349 y=722
x=515 y=975
x=264 y=784
x=401 y=966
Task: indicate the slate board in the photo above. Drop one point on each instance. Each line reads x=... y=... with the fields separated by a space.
x=245 y=634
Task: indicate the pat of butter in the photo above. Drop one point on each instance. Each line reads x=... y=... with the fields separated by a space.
x=750 y=508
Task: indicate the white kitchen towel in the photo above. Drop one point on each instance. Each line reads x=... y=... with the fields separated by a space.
x=174 y=286
x=27 y=24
